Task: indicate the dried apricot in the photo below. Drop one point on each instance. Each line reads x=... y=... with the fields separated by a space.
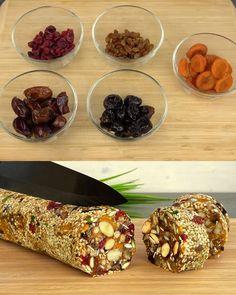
x=224 y=83
x=219 y=68
x=198 y=63
x=198 y=48
x=183 y=67
x=205 y=81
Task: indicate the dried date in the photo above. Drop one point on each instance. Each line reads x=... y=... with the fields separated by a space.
x=20 y=108
x=21 y=127
x=38 y=93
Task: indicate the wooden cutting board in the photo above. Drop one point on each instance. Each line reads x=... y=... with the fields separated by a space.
x=195 y=128
x=25 y=272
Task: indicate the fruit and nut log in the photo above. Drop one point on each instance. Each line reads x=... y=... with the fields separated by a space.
x=212 y=214
x=174 y=240
x=96 y=240
x=40 y=114
x=183 y=236
x=126 y=118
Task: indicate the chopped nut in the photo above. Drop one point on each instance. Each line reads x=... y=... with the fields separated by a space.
x=218 y=228
x=96 y=230
x=109 y=244
x=106 y=228
x=125 y=265
x=153 y=239
x=122 y=238
x=146 y=227
x=165 y=249
x=91 y=262
x=128 y=246
x=114 y=255
x=116 y=234
x=176 y=248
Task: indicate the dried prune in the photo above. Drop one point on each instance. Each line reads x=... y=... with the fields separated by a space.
x=126 y=118
x=43 y=115
x=147 y=111
x=112 y=101
x=62 y=103
x=42 y=131
x=117 y=127
x=21 y=127
x=133 y=111
x=132 y=99
x=20 y=108
x=38 y=92
x=59 y=122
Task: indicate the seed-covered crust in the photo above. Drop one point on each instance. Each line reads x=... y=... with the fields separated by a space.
x=96 y=240
x=175 y=239
x=214 y=216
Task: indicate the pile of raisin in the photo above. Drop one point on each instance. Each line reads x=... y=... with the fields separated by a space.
x=40 y=114
x=51 y=44
x=126 y=118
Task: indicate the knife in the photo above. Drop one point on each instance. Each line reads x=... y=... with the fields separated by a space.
x=52 y=181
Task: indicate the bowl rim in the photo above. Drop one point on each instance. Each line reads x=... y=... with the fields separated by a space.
x=54 y=135
x=184 y=83
x=103 y=77
x=143 y=59
x=26 y=57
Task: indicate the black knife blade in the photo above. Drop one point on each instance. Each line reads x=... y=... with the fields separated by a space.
x=52 y=181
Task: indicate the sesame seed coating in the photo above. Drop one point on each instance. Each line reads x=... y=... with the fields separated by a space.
x=97 y=240
x=214 y=216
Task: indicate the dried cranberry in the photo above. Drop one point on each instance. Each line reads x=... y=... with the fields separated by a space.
x=112 y=101
x=20 y=108
x=42 y=131
x=21 y=127
x=50 y=29
x=120 y=214
x=198 y=219
x=102 y=243
x=61 y=43
x=62 y=103
x=32 y=228
x=131 y=228
x=53 y=205
x=184 y=237
x=85 y=260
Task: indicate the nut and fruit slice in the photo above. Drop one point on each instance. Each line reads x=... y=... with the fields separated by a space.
x=106 y=228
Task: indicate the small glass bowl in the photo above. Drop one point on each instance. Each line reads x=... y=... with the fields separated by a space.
x=132 y=18
x=36 y=20
x=127 y=82
x=16 y=87
x=217 y=45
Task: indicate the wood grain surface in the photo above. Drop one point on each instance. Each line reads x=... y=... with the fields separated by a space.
x=195 y=128
x=25 y=272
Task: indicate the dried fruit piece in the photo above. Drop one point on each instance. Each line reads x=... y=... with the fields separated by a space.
x=210 y=59
x=198 y=63
x=219 y=68
x=19 y=107
x=205 y=81
x=183 y=67
x=176 y=248
x=198 y=48
x=224 y=84
x=21 y=127
x=38 y=92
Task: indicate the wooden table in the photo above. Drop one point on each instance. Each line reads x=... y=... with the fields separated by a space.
x=25 y=272
x=195 y=128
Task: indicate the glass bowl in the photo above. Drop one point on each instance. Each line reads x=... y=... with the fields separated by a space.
x=217 y=45
x=36 y=20
x=127 y=82
x=16 y=87
x=129 y=17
